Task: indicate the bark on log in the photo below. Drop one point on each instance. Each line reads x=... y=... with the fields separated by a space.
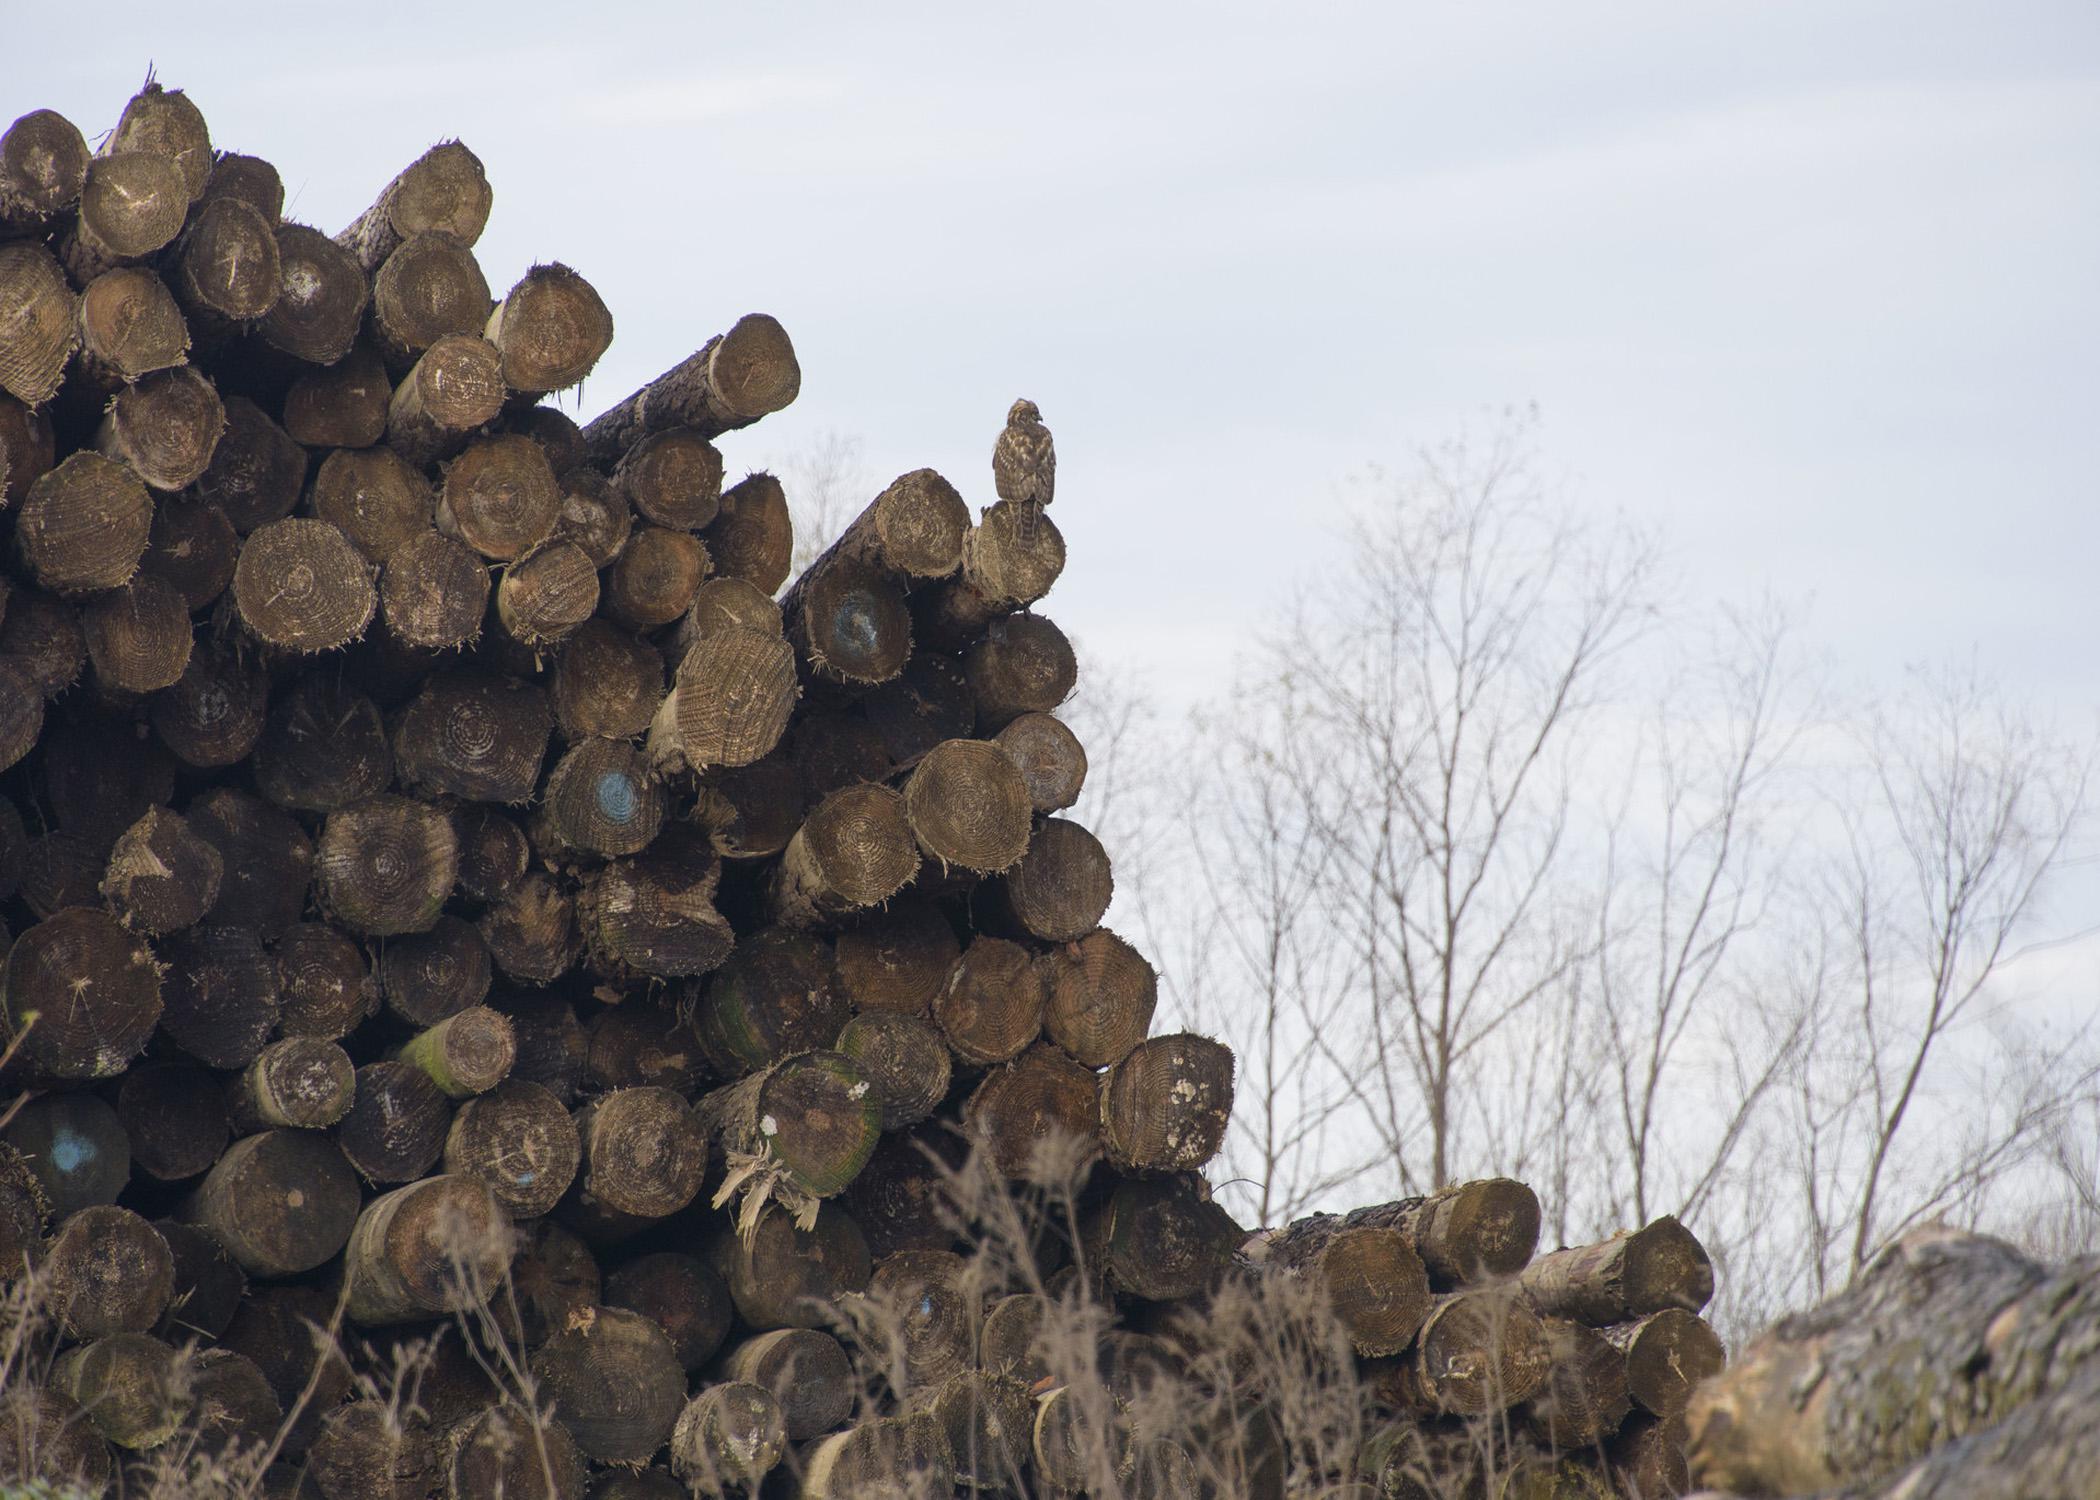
x=395 y=1131
x=342 y=406
x=281 y=1202
x=735 y=378
x=445 y=188
x=912 y=531
x=430 y=1248
x=1630 y=1275
x=301 y=1083
x=1945 y=1337
x=38 y=310
x=1372 y=1277
x=469 y=1053
x=728 y=1438
x=752 y=536
x=92 y=989
x=969 y=807
x=682 y=1295
x=1165 y=1106
x=854 y=851
x=164 y=428
x=808 y=1372
x=454 y=389
x=256 y=470
x=550 y=329
x=813 y=1116
x=374 y=497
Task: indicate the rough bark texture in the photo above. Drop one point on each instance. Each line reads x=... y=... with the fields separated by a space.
x=1634 y=1273
x=735 y=378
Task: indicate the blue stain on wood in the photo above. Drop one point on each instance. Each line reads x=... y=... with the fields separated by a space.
x=70 y=1150
x=616 y=796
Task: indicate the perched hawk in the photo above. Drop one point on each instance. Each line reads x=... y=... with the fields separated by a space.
x=1024 y=464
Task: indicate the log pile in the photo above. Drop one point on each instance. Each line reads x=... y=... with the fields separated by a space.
x=500 y=998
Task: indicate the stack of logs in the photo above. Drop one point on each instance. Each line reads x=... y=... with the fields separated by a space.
x=468 y=939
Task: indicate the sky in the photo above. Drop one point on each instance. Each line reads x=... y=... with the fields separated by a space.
x=1810 y=286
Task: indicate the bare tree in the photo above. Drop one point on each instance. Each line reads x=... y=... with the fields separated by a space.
x=827 y=484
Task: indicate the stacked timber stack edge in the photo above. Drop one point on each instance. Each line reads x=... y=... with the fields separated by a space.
x=463 y=923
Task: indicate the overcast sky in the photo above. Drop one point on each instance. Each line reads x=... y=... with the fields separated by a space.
x=1813 y=283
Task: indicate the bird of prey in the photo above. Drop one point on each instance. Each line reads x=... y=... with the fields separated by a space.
x=1024 y=463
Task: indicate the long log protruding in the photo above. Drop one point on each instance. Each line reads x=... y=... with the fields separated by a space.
x=735 y=378
x=1632 y=1274
x=445 y=188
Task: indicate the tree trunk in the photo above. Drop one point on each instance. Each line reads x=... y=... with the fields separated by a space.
x=28 y=446
x=812 y=1116
x=895 y=1458
x=519 y=1140
x=166 y=122
x=500 y=497
x=322 y=292
x=673 y=478
x=1038 y=1116
x=94 y=989
x=162 y=876
x=969 y=807
x=750 y=812
x=991 y=1008
x=129 y=1387
x=783 y=1277
x=43 y=163
x=550 y=329
x=37 y=307
x=594 y=514
x=302 y=1083
x=848 y=621
x=1478 y=1351
x=469 y=1053
x=600 y=803
x=988 y=1420
x=1163 y=1239
x=654 y=914
x=324 y=987
x=1630 y=1275
x=214 y=714
x=1052 y=760
x=644 y=1155
x=454 y=389
x=1100 y=997
x=1060 y=889
x=607 y=683
x=1584 y=1399
x=1009 y=561
x=728 y=1438
x=342 y=406
x=653 y=580
x=736 y=378
x=547 y=594
x=174 y=1118
x=898 y=958
x=905 y=1061
x=300 y=587
x=444 y=188
x=324 y=747
x=922 y=1318
x=138 y=638
x=84 y=526
x=433 y=591
x=532 y=932
x=474 y=736
x=209 y=1284
x=903 y=1198
x=682 y=1295
x=281 y=1202
x=913 y=531
x=1944 y=1337
x=386 y=865
x=752 y=536
x=502 y=1451
x=1667 y=1355
x=373 y=496
x=808 y=1372
x=424 y=1250
x=395 y=1130
x=1023 y=664
x=1372 y=1277
x=730 y=704
x=226 y=268
x=108 y=1271
x=429 y=288
x=1165 y=1106
x=854 y=851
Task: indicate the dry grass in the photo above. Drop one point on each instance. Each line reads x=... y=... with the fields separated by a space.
x=1254 y=1392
